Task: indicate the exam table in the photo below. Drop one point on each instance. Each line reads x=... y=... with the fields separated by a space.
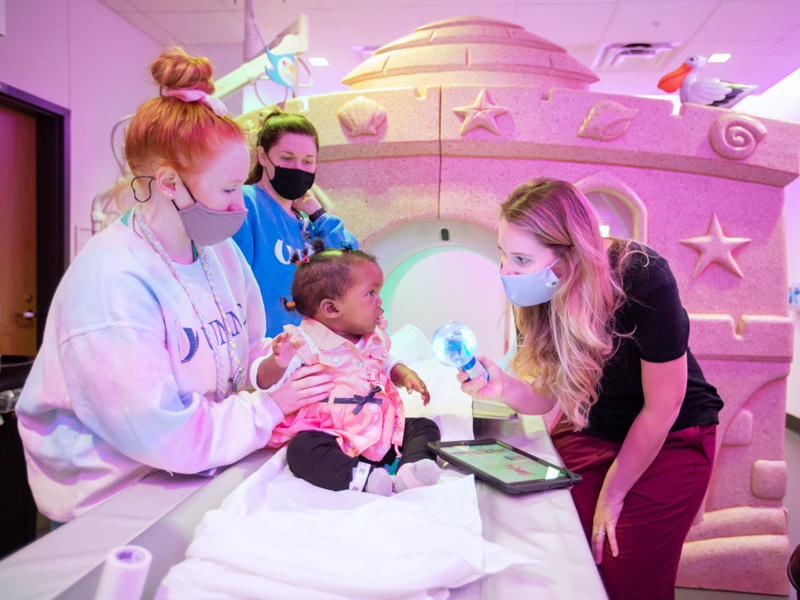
x=161 y=512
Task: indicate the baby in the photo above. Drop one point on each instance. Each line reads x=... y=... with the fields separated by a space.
x=360 y=434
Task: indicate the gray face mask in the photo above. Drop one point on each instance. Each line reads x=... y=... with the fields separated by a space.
x=531 y=289
x=206 y=227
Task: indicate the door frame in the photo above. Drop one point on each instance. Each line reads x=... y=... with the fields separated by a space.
x=52 y=193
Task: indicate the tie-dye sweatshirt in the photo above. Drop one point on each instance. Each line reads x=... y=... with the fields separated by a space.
x=124 y=382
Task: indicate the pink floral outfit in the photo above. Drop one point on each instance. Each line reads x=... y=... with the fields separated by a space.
x=364 y=411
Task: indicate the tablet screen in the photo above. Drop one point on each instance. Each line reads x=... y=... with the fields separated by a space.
x=504 y=464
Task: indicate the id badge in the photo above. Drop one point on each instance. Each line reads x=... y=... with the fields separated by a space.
x=237 y=381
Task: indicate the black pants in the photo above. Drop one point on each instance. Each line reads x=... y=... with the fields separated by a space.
x=317 y=457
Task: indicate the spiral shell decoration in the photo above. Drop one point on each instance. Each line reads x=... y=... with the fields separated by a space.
x=362 y=116
x=736 y=136
x=607 y=120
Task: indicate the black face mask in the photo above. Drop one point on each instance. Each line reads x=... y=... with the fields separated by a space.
x=291 y=183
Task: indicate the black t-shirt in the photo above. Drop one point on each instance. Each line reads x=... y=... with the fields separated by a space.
x=659 y=325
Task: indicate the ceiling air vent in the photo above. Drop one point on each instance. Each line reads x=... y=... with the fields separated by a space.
x=639 y=56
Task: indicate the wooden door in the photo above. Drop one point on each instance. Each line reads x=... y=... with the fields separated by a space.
x=17 y=233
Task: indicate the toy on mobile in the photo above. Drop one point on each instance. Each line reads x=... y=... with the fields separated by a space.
x=454 y=345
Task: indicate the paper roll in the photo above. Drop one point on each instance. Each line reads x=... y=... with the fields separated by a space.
x=124 y=574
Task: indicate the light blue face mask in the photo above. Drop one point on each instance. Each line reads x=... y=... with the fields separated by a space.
x=531 y=289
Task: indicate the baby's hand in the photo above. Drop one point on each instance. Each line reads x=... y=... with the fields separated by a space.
x=284 y=349
x=412 y=382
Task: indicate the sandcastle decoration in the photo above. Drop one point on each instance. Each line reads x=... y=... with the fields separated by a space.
x=475 y=106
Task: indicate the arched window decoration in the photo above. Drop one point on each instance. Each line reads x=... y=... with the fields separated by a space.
x=615 y=216
x=622 y=213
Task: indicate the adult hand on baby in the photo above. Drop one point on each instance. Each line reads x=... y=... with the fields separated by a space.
x=284 y=349
x=305 y=386
x=480 y=388
x=412 y=383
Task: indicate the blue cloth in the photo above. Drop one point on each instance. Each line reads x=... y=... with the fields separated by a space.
x=269 y=238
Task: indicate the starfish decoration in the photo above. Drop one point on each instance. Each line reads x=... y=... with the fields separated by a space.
x=481 y=114
x=715 y=248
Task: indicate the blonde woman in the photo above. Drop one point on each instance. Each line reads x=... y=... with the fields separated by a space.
x=603 y=334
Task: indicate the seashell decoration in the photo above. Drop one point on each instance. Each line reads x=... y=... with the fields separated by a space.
x=362 y=116
x=607 y=120
x=736 y=136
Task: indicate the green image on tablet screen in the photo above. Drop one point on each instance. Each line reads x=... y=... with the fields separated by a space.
x=504 y=464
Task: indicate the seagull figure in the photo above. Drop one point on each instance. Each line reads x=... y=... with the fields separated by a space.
x=706 y=91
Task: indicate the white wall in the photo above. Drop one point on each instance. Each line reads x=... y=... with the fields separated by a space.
x=80 y=55
x=780 y=102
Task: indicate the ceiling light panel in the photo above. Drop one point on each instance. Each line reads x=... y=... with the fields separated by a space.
x=719 y=58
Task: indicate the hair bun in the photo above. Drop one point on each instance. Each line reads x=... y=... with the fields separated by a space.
x=176 y=69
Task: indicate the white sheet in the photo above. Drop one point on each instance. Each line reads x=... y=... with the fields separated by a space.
x=280 y=537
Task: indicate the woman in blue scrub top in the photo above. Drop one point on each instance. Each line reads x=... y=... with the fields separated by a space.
x=284 y=213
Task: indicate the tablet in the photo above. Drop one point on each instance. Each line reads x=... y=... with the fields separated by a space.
x=504 y=466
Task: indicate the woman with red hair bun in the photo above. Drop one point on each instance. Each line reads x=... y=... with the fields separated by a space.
x=154 y=326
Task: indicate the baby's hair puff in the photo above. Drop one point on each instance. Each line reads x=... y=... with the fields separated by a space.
x=325 y=274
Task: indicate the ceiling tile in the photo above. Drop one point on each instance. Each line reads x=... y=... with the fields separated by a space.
x=147 y=25
x=781 y=58
x=339 y=57
x=329 y=79
x=337 y=4
x=521 y=2
x=566 y=23
x=657 y=22
x=203 y=27
x=793 y=35
x=226 y=58
x=432 y=14
x=119 y=5
x=762 y=79
x=463 y=7
x=178 y=5
x=743 y=56
x=375 y=26
x=320 y=29
x=625 y=83
x=582 y=52
x=751 y=20
x=644 y=1
x=325 y=83
x=293 y=5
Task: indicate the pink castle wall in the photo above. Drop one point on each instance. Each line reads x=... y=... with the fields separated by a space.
x=441 y=131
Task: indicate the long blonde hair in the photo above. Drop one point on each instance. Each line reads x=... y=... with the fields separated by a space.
x=567 y=341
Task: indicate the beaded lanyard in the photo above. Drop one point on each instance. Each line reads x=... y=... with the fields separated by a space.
x=234 y=383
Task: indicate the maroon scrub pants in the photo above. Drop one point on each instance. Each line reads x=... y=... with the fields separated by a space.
x=658 y=510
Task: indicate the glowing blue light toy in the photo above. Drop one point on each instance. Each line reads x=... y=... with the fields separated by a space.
x=455 y=345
